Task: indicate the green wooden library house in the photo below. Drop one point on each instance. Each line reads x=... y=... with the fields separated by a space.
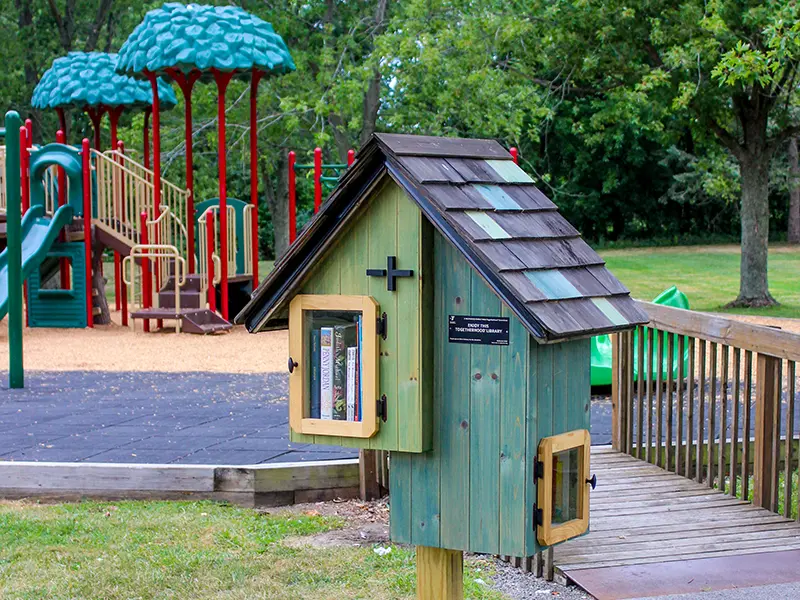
x=439 y=307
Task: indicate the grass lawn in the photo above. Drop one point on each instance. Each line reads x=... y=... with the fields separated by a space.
x=197 y=550
x=708 y=275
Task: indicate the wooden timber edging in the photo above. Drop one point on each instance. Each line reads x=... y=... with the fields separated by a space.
x=249 y=485
x=730 y=332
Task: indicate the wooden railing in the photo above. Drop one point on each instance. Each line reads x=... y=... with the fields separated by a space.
x=125 y=190
x=155 y=255
x=212 y=213
x=712 y=399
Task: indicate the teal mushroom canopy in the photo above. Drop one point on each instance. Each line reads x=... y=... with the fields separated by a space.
x=89 y=79
x=203 y=38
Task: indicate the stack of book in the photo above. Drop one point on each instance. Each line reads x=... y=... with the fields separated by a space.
x=336 y=372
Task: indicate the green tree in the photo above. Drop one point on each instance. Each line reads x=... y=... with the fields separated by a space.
x=724 y=69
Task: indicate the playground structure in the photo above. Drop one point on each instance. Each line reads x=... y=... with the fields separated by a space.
x=172 y=269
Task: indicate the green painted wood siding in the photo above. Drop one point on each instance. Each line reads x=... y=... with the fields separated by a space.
x=391 y=225
x=492 y=404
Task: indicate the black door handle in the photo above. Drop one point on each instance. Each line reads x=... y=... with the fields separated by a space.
x=292 y=365
x=593 y=481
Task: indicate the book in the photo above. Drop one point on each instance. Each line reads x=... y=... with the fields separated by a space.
x=326 y=373
x=314 y=405
x=360 y=328
x=343 y=336
x=352 y=353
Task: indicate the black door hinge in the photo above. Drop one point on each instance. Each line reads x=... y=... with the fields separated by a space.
x=538 y=469
x=381 y=326
x=538 y=516
x=381 y=408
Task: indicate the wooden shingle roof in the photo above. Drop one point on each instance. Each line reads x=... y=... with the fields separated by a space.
x=511 y=233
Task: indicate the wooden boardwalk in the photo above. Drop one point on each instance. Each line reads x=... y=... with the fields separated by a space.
x=642 y=514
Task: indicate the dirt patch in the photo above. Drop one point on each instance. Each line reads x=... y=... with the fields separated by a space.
x=116 y=348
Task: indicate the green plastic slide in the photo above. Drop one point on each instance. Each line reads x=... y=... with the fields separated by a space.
x=39 y=232
x=601 y=344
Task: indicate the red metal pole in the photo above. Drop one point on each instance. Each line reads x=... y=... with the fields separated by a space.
x=29 y=134
x=113 y=116
x=186 y=83
x=254 y=169
x=317 y=179
x=62 y=123
x=62 y=200
x=514 y=155
x=351 y=157
x=156 y=148
x=123 y=288
x=87 y=228
x=146 y=295
x=292 y=199
x=24 y=184
x=156 y=164
x=24 y=157
x=212 y=294
x=222 y=80
x=96 y=117
x=146 y=138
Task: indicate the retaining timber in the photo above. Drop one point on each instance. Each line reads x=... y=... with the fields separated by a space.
x=249 y=486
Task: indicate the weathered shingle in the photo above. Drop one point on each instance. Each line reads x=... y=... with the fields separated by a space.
x=490 y=209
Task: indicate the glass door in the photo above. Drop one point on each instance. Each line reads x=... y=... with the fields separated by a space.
x=563 y=486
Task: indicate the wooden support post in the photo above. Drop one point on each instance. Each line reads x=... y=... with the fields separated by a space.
x=768 y=397
x=616 y=374
x=368 y=475
x=440 y=574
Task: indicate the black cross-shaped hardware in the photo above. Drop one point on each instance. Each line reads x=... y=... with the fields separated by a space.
x=390 y=272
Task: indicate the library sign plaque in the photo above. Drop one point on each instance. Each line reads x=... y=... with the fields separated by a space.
x=489 y=331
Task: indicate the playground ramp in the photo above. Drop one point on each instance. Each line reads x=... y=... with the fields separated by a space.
x=39 y=232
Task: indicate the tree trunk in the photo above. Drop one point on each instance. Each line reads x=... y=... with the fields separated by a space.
x=278 y=205
x=99 y=300
x=794 y=194
x=753 y=285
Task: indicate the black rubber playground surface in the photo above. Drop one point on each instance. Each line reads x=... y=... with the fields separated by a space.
x=187 y=418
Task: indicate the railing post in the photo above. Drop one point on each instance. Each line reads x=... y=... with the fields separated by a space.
x=514 y=155
x=768 y=398
x=351 y=157
x=615 y=390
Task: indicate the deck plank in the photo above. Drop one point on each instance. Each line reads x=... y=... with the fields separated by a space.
x=642 y=514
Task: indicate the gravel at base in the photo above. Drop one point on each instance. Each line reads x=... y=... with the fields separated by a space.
x=524 y=586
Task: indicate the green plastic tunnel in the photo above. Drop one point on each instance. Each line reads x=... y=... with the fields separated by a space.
x=601 y=345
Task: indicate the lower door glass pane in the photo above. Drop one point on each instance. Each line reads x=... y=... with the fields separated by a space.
x=566 y=487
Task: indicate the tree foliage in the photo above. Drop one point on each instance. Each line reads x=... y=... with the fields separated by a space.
x=644 y=120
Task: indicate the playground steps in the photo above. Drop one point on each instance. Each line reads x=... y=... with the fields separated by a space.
x=190 y=293
x=193 y=320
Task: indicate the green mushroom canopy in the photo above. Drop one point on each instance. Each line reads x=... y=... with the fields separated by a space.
x=203 y=38
x=88 y=79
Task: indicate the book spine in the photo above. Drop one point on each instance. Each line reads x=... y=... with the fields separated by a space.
x=339 y=374
x=360 y=327
x=326 y=373
x=351 y=383
x=314 y=405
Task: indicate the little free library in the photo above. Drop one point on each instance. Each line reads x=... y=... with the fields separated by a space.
x=439 y=307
